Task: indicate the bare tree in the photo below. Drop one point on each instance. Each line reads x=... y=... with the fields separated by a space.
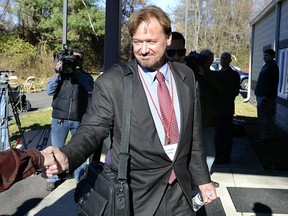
x=221 y=25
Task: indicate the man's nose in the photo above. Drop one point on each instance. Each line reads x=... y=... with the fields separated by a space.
x=144 y=48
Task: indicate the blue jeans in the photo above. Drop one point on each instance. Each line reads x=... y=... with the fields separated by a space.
x=59 y=133
x=210 y=146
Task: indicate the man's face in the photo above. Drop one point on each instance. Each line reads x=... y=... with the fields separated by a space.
x=149 y=44
x=208 y=61
x=267 y=57
x=80 y=60
x=176 y=51
x=225 y=60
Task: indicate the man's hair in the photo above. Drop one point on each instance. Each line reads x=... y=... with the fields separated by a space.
x=227 y=55
x=145 y=14
x=207 y=52
x=271 y=52
x=78 y=50
x=178 y=36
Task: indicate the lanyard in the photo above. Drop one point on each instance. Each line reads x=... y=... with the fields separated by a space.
x=166 y=127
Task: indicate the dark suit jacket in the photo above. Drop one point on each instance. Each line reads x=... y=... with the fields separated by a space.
x=267 y=83
x=150 y=167
x=232 y=89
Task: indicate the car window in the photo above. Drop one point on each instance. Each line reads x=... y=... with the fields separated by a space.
x=215 y=66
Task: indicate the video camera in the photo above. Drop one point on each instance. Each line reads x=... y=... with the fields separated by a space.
x=70 y=62
x=4 y=76
x=194 y=60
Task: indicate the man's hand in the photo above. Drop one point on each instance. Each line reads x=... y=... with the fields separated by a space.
x=61 y=160
x=58 y=65
x=49 y=159
x=208 y=192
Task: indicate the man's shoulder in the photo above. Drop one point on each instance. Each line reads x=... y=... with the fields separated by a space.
x=85 y=72
x=234 y=72
x=273 y=64
x=180 y=67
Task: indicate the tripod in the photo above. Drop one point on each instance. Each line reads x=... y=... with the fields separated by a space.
x=16 y=115
x=5 y=93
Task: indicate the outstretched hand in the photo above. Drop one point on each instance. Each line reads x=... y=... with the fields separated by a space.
x=60 y=161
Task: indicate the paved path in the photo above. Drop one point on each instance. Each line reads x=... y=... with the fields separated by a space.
x=29 y=197
x=26 y=194
x=244 y=171
x=39 y=100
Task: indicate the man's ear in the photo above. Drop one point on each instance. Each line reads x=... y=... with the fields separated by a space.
x=169 y=39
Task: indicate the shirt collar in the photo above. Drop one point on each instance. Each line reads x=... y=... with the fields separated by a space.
x=151 y=74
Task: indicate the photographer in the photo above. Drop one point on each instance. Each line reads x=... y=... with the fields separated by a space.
x=71 y=88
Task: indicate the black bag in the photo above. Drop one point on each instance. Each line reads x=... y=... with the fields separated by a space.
x=102 y=191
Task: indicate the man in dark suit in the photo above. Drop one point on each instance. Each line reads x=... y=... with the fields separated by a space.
x=224 y=132
x=266 y=93
x=160 y=179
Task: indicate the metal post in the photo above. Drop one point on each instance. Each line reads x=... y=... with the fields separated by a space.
x=112 y=33
x=65 y=12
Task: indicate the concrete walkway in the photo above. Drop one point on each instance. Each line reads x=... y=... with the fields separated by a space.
x=59 y=202
x=244 y=171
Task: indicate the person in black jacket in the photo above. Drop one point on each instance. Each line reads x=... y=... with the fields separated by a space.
x=266 y=93
x=70 y=87
x=224 y=132
x=211 y=84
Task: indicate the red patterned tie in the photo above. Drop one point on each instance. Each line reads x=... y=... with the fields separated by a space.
x=169 y=120
x=167 y=111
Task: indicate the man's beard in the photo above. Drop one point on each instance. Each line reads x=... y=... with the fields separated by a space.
x=151 y=63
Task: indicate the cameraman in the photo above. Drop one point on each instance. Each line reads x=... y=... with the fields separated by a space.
x=71 y=88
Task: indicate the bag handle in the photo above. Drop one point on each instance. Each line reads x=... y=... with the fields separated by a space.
x=127 y=73
x=126 y=121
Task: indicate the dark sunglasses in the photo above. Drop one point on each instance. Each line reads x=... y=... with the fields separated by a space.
x=172 y=53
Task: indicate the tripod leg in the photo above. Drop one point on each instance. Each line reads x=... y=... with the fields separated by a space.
x=4 y=132
x=16 y=115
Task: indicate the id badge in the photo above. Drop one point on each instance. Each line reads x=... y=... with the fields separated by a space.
x=170 y=150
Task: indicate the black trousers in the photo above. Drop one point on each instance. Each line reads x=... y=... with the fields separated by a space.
x=224 y=138
x=174 y=202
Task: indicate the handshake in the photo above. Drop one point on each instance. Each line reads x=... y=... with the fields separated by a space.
x=23 y=163
x=55 y=162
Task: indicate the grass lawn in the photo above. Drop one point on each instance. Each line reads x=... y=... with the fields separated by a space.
x=30 y=121
x=273 y=155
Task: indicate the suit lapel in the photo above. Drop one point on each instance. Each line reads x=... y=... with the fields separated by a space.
x=141 y=110
x=142 y=114
x=183 y=96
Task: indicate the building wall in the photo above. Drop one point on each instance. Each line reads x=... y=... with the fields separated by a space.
x=263 y=38
x=281 y=117
x=284 y=22
x=264 y=34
